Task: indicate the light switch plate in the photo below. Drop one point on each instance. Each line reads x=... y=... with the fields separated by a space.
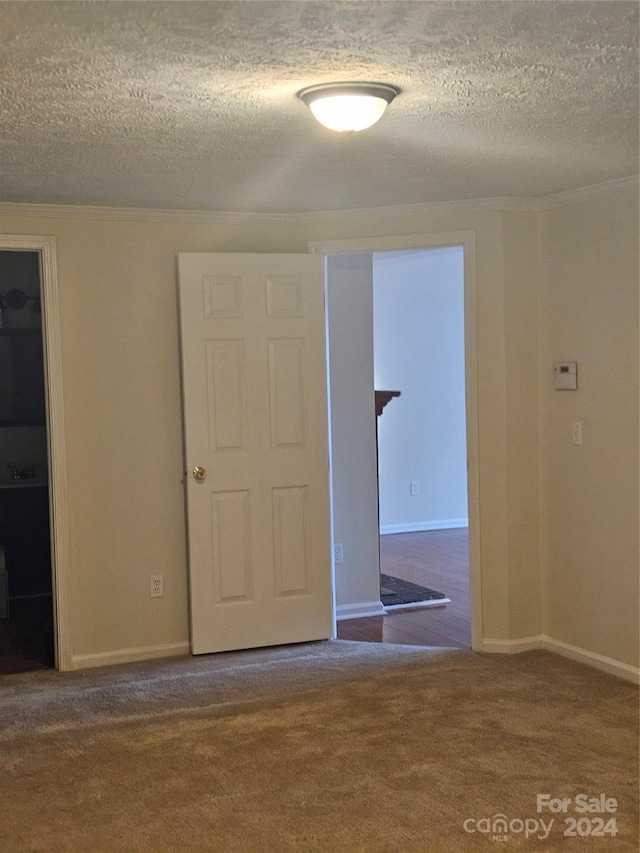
x=576 y=432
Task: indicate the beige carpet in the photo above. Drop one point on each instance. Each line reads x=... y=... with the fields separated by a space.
x=331 y=746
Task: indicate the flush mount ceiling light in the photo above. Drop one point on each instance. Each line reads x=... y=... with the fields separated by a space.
x=348 y=106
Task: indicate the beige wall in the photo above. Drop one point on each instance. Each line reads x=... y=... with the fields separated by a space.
x=122 y=400
x=589 y=494
x=522 y=445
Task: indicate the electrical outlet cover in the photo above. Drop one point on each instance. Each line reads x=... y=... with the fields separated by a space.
x=156 y=586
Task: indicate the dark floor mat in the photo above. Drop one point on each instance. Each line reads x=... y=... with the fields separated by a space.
x=395 y=592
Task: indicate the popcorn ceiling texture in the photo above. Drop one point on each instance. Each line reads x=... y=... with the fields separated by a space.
x=192 y=105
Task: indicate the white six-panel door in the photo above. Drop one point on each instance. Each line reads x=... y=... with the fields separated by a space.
x=255 y=418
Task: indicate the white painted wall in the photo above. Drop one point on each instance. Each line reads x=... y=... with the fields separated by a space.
x=353 y=438
x=589 y=494
x=418 y=309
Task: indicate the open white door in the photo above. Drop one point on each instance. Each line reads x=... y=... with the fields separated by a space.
x=256 y=448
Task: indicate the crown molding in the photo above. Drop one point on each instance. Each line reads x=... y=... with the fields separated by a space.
x=211 y=217
x=142 y=214
x=499 y=204
x=587 y=193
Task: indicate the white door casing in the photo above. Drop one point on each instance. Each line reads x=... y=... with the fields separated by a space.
x=255 y=418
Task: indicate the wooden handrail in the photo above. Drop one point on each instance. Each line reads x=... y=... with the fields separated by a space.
x=382 y=398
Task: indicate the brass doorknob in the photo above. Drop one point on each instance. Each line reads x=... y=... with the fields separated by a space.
x=199 y=474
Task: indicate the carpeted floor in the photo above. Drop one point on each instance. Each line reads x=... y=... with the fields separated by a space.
x=332 y=746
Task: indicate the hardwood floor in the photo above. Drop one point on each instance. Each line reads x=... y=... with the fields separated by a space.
x=26 y=638
x=438 y=559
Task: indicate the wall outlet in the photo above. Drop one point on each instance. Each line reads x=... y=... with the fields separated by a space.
x=338 y=553
x=414 y=487
x=156 y=586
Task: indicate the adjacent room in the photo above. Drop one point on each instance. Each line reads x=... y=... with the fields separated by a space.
x=419 y=347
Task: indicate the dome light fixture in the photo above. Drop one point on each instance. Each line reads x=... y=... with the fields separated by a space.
x=348 y=107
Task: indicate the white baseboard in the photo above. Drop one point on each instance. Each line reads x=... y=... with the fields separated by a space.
x=375 y=608
x=422 y=526
x=414 y=605
x=166 y=650
x=510 y=647
x=359 y=611
x=606 y=664
x=597 y=661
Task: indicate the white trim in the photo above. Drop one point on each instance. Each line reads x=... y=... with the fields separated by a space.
x=586 y=193
x=217 y=217
x=144 y=214
x=213 y=217
x=60 y=558
x=498 y=203
x=359 y=611
x=424 y=526
x=510 y=647
x=593 y=659
x=473 y=450
x=164 y=650
x=438 y=240
x=432 y=602
x=598 y=661
x=398 y=243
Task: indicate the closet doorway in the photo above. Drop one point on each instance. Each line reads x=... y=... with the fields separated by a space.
x=34 y=552
x=26 y=601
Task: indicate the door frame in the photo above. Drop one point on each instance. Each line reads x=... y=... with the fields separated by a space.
x=56 y=445
x=440 y=240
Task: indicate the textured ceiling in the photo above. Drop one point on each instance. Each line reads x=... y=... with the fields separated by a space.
x=192 y=105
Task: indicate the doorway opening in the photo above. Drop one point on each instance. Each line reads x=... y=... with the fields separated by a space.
x=350 y=308
x=419 y=349
x=26 y=588
x=56 y=471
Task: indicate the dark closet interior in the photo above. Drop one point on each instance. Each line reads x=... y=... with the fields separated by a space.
x=26 y=606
